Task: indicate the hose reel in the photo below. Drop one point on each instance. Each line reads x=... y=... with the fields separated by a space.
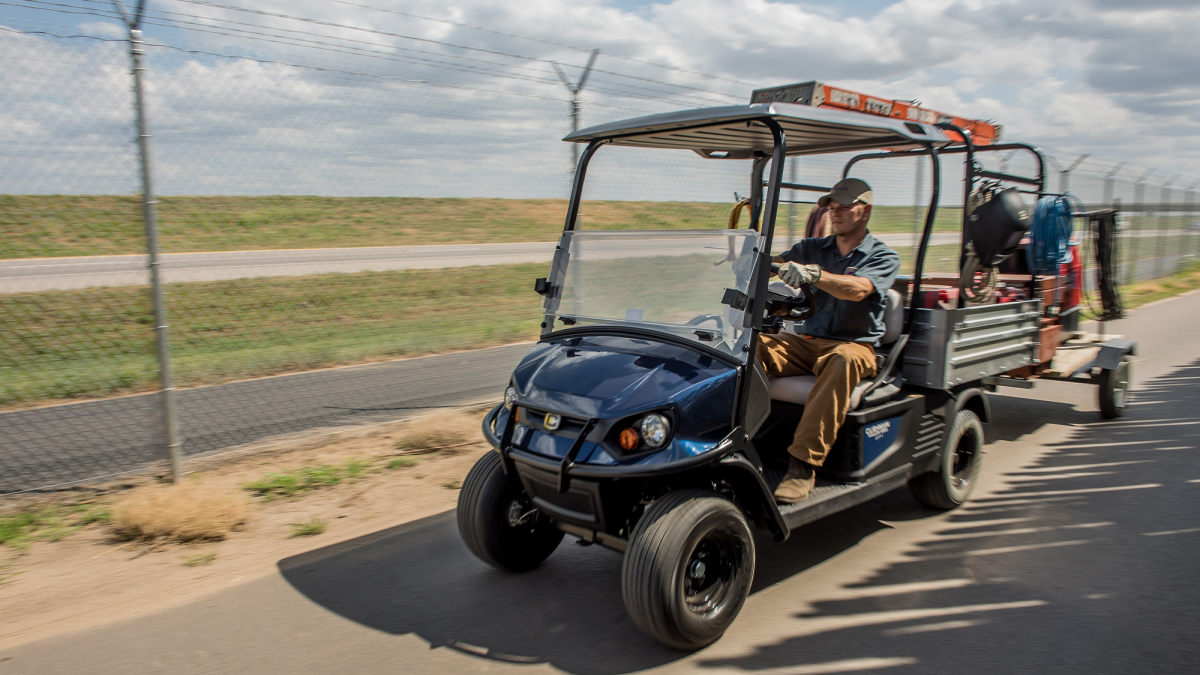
x=997 y=219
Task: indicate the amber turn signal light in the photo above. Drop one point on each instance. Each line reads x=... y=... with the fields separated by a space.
x=629 y=439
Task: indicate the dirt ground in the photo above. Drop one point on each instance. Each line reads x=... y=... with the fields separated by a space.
x=91 y=577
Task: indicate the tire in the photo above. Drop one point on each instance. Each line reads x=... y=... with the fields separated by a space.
x=662 y=593
x=962 y=455
x=484 y=507
x=1114 y=390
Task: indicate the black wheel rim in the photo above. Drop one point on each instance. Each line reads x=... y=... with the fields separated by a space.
x=962 y=463
x=712 y=572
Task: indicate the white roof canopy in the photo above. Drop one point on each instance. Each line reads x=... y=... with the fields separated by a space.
x=733 y=132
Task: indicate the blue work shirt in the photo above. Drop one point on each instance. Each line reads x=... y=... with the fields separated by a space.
x=847 y=320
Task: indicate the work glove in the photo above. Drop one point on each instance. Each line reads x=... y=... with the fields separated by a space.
x=796 y=275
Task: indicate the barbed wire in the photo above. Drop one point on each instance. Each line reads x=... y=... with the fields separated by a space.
x=438 y=42
x=376 y=76
x=547 y=42
x=358 y=51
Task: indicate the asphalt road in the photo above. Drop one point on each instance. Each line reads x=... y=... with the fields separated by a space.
x=52 y=274
x=1077 y=554
x=46 y=274
x=49 y=446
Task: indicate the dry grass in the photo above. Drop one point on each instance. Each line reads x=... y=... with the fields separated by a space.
x=180 y=513
x=308 y=528
x=446 y=432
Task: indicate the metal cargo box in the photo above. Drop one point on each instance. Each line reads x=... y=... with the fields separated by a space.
x=951 y=346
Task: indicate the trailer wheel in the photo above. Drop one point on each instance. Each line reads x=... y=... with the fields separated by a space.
x=497 y=521
x=1114 y=390
x=688 y=568
x=962 y=455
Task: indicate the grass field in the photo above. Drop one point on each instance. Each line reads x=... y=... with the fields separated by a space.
x=93 y=343
x=55 y=225
x=72 y=345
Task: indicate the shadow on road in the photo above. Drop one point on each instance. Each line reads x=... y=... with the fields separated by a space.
x=989 y=585
x=1084 y=563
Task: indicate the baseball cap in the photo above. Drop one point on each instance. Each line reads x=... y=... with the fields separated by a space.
x=846 y=191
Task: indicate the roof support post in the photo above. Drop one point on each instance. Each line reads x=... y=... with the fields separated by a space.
x=562 y=252
x=935 y=190
x=762 y=272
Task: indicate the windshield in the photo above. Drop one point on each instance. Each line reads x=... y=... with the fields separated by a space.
x=665 y=281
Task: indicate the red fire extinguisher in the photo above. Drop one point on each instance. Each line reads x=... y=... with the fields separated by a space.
x=1072 y=275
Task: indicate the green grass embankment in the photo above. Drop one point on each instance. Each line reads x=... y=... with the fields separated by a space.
x=100 y=342
x=73 y=345
x=56 y=225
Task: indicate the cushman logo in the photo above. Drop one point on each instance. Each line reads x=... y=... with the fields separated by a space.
x=876 y=430
x=552 y=421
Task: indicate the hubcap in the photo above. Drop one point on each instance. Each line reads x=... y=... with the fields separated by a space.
x=712 y=573
x=520 y=513
x=964 y=459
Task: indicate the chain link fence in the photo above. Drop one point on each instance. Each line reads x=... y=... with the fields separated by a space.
x=343 y=246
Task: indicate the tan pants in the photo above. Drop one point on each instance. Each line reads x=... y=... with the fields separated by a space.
x=838 y=367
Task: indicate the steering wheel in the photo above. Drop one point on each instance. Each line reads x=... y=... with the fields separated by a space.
x=796 y=308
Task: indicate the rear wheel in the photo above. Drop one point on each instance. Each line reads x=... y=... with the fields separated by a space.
x=688 y=568
x=1114 y=390
x=497 y=521
x=961 y=458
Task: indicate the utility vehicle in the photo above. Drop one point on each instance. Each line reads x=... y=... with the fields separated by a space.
x=641 y=420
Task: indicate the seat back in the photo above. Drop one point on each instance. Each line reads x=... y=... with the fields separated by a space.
x=893 y=317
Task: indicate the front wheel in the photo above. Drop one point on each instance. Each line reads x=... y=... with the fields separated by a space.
x=688 y=569
x=962 y=455
x=497 y=521
x=1114 y=390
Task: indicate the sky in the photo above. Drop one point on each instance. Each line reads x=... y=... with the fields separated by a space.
x=460 y=97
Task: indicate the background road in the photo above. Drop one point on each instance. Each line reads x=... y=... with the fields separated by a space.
x=45 y=274
x=70 y=441
x=1077 y=554
x=54 y=274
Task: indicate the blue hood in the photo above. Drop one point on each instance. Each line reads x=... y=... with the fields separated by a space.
x=612 y=377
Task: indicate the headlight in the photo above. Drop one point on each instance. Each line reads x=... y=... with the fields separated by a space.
x=655 y=429
x=510 y=395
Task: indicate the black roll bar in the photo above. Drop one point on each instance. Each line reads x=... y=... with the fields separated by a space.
x=585 y=158
x=968 y=183
x=971 y=172
x=1039 y=182
x=761 y=274
x=557 y=270
x=919 y=268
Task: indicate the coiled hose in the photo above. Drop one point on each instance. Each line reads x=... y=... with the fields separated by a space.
x=1049 y=236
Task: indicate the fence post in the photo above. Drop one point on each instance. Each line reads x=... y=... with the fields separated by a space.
x=1164 y=222
x=149 y=217
x=575 y=102
x=1190 y=201
x=1139 y=201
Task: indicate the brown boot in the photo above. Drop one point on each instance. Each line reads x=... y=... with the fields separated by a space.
x=797 y=483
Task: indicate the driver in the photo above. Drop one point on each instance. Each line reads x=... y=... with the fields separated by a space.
x=850 y=272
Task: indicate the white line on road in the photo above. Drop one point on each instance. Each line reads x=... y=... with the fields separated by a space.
x=1166 y=532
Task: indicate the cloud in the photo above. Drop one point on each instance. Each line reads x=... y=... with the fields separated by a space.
x=380 y=113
